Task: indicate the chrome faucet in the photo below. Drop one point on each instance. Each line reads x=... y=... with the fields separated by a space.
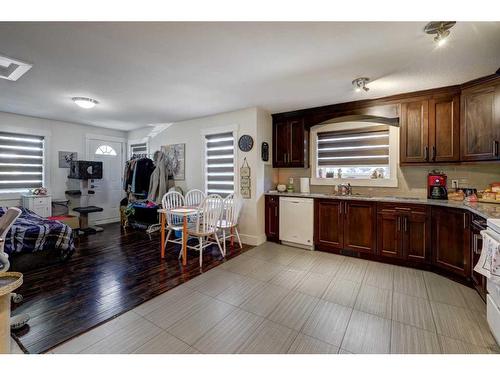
x=344 y=189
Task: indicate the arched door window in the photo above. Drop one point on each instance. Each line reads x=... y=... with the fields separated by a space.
x=105 y=150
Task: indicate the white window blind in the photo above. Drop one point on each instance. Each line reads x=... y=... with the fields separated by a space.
x=219 y=163
x=21 y=162
x=138 y=149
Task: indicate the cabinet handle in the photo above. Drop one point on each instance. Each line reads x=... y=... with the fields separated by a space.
x=426 y=153
x=405 y=222
x=399 y=223
x=340 y=208
x=495 y=148
x=465 y=220
x=475 y=246
x=433 y=153
x=276 y=211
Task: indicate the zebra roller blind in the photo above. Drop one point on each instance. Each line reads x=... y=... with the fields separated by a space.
x=358 y=147
x=21 y=162
x=219 y=163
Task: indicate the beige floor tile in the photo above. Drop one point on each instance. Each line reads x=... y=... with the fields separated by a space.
x=453 y=346
x=125 y=340
x=443 y=290
x=265 y=299
x=243 y=266
x=328 y=322
x=79 y=343
x=380 y=275
x=406 y=339
x=353 y=270
x=202 y=279
x=294 y=310
x=472 y=299
x=167 y=298
x=218 y=283
x=165 y=343
x=304 y=344
x=367 y=333
x=269 y=338
x=302 y=262
x=326 y=265
x=343 y=292
x=462 y=324
x=413 y=311
x=168 y=314
x=237 y=293
x=314 y=284
x=265 y=271
x=343 y=351
x=375 y=301
x=199 y=320
x=230 y=333
x=409 y=281
x=288 y=278
x=284 y=257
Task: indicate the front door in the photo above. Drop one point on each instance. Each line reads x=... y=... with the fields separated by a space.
x=108 y=190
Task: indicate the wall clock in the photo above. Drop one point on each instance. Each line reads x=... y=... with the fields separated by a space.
x=245 y=143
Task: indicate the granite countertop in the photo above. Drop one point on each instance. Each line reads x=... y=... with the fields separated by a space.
x=485 y=210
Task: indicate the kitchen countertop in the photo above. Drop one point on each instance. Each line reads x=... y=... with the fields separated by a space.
x=485 y=210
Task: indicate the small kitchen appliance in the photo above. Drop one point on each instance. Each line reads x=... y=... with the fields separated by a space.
x=436 y=185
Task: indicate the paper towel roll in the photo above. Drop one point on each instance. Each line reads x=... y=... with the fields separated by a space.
x=304 y=185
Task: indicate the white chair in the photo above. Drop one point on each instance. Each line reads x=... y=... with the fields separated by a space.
x=205 y=224
x=229 y=219
x=194 y=197
x=173 y=199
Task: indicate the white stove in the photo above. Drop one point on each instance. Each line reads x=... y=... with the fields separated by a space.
x=493 y=297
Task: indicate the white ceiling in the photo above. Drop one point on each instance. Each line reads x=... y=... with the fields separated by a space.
x=146 y=73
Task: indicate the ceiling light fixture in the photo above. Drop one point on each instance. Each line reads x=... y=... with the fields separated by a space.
x=360 y=84
x=86 y=103
x=441 y=30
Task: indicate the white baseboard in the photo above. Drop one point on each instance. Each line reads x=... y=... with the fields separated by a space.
x=252 y=239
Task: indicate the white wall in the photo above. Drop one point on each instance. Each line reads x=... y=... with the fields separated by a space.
x=251 y=121
x=60 y=136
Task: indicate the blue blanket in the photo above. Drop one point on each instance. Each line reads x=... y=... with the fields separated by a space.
x=31 y=233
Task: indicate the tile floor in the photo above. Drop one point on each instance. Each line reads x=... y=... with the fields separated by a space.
x=278 y=299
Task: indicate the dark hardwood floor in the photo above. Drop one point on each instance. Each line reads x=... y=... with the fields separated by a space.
x=110 y=273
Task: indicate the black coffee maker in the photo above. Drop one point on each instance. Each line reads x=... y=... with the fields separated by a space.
x=436 y=185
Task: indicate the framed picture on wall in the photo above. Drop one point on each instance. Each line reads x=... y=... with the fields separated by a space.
x=176 y=159
x=66 y=157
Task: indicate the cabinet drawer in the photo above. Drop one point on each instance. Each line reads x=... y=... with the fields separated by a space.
x=40 y=202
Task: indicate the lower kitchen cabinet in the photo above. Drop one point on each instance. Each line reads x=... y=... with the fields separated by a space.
x=451 y=240
x=479 y=281
x=272 y=222
x=328 y=224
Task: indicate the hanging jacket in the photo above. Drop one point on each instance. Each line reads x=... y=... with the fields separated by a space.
x=142 y=173
x=158 y=184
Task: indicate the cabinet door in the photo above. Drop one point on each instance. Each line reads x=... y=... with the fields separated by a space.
x=272 y=218
x=389 y=234
x=297 y=153
x=451 y=240
x=415 y=226
x=414 y=142
x=280 y=144
x=360 y=226
x=480 y=130
x=328 y=225
x=444 y=129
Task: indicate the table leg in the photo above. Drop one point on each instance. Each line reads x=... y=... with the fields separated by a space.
x=184 y=240
x=5 y=324
x=162 y=215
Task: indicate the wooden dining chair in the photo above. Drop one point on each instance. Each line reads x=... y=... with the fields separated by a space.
x=205 y=224
x=194 y=197
x=228 y=223
x=173 y=199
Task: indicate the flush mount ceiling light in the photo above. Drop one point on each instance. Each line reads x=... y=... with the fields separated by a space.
x=441 y=30
x=360 y=84
x=12 y=69
x=86 y=103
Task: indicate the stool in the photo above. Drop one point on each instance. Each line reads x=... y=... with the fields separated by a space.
x=84 y=219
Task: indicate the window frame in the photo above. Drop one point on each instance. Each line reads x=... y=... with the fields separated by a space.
x=363 y=182
x=46 y=167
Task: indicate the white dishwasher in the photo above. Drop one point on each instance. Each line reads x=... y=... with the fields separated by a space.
x=297 y=221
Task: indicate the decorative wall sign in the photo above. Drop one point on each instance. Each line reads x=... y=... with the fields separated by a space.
x=65 y=158
x=176 y=159
x=245 y=186
x=245 y=143
x=264 y=151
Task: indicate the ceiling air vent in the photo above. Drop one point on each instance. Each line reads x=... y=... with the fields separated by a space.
x=12 y=69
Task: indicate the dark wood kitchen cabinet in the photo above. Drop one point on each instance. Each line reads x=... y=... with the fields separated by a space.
x=451 y=240
x=403 y=232
x=290 y=144
x=272 y=205
x=344 y=225
x=414 y=135
x=480 y=122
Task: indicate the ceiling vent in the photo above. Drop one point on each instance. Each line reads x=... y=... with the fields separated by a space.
x=12 y=69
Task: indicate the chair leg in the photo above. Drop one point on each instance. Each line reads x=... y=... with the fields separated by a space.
x=238 y=235
x=224 y=240
x=218 y=243
x=200 y=239
x=168 y=236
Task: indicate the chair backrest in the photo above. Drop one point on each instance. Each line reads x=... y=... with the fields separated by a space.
x=194 y=197
x=209 y=213
x=231 y=209
x=6 y=222
x=173 y=199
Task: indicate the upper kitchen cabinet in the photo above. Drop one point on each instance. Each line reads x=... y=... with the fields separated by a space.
x=430 y=130
x=290 y=144
x=480 y=125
